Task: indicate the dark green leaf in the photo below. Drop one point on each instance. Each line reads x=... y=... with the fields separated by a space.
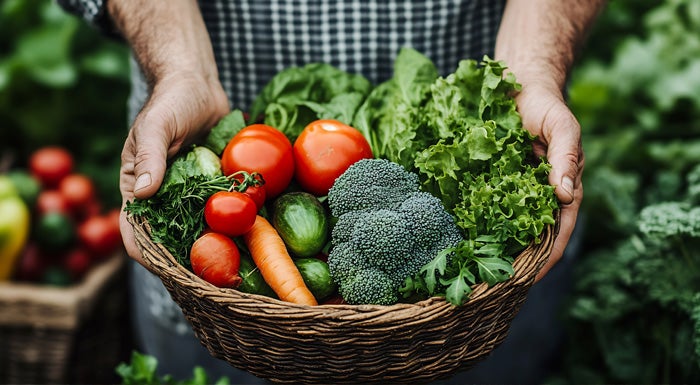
x=221 y=134
x=493 y=270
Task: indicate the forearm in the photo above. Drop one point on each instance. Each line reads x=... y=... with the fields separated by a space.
x=539 y=39
x=168 y=37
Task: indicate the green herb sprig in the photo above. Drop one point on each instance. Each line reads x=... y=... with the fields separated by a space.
x=176 y=213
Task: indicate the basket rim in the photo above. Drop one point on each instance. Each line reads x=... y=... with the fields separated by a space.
x=70 y=303
x=164 y=265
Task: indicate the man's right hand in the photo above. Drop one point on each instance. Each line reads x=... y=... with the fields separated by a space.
x=172 y=46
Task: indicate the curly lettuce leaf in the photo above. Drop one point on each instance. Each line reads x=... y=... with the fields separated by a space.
x=464 y=137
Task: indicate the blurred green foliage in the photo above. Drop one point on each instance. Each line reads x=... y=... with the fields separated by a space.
x=634 y=314
x=640 y=112
x=62 y=83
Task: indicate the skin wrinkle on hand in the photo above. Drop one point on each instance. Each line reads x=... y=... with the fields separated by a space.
x=143 y=181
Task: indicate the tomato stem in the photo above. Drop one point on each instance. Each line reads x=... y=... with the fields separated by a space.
x=241 y=180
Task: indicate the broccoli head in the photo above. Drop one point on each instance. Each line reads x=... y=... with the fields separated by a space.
x=382 y=240
x=371 y=184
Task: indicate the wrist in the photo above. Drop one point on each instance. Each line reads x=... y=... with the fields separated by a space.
x=168 y=38
x=540 y=47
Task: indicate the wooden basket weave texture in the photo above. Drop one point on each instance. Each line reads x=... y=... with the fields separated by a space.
x=72 y=335
x=345 y=344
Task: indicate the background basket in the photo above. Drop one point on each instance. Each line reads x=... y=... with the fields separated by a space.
x=76 y=335
x=337 y=344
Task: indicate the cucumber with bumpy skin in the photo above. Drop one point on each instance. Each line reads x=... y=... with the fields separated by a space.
x=302 y=222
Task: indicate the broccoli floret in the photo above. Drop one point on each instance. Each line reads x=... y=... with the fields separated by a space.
x=344 y=263
x=433 y=228
x=342 y=230
x=375 y=235
x=371 y=184
x=370 y=286
x=377 y=246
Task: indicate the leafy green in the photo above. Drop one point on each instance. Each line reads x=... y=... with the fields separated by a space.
x=464 y=138
x=225 y=129
x=198 y=160
x=54 y=70
x=142 y=371
x=296 y=96
x=652 y=273
x=376 y=117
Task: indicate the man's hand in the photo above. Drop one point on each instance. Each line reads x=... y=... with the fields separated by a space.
x=545 y=114
x=178 y=111
x=172 y=47
x=538 y=40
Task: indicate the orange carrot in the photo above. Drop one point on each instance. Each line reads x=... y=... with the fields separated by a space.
x=275 y=264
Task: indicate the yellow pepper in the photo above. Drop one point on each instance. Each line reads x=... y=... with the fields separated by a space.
x=14 y=227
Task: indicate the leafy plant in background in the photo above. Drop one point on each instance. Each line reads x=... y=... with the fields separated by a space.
x=142 y=371
x=63 y=83
x=634 y=315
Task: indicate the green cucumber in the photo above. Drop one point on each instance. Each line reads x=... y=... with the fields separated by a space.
x=252 y=281
x=317 y=277
x=302 y=222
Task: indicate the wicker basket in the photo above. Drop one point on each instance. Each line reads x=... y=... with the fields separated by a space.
x=336 y=344
x=76 y=335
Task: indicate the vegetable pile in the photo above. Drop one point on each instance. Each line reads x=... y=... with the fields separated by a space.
x=421 y=186
x=53 y=226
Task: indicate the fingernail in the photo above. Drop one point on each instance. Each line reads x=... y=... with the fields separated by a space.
x=568 y=185
x=143 y=181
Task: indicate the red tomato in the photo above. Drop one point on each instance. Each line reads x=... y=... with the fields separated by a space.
x=113 y=216
x=50 y=164
x=263 y=149
x=216 y=259
x=230 y=212
x=77 y=262
x=91 y=209
x=99 y=236
x=32 y=264
x=257 y=194
x=323 y=151
x=79 y=191
x=51 y=201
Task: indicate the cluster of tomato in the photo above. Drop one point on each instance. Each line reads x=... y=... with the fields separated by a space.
x=322 y=151
x=71 y=231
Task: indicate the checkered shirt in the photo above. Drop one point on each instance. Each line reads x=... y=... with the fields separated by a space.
x=255 y=39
